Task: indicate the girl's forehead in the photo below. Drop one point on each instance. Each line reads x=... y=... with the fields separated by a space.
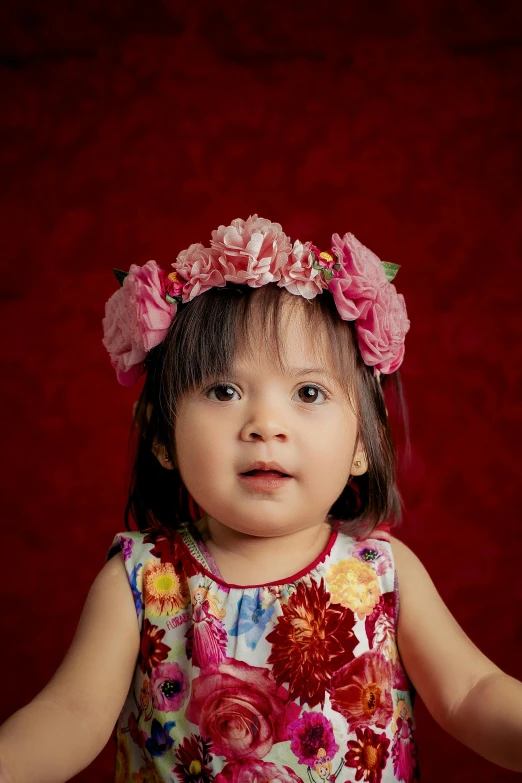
x=294 y=342
x=294 y=347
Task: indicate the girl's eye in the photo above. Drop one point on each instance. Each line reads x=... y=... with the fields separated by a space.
x=312 y=394
x=222 y=392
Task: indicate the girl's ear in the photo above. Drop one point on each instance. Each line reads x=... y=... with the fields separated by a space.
x=163 y=456
x=158 y=449
x=359 y=463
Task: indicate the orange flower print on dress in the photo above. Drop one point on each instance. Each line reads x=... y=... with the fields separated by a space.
x=311 y=640
x=361 y=691
x=354 y=584
x=368 y=754
x=165 y=588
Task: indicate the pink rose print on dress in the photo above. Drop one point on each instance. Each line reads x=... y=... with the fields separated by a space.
x=361 y=691
x=255 y=771
x=137 y=318
x=240 y=709
x=251 y=251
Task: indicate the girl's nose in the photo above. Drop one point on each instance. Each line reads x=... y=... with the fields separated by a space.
x=265 y=422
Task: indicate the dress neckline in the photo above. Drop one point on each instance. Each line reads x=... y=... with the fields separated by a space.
x=192 y=546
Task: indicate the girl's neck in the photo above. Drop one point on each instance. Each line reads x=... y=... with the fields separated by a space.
x=248 y=560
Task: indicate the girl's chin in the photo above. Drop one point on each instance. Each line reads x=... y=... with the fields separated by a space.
x=265 y=525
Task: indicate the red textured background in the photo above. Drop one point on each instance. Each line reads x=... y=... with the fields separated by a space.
x=131 y=129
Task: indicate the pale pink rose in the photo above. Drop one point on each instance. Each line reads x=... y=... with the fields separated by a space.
x=241 y=709
x=199 y=266
x=299 y=276
x=255 y=771
x=382 y=331
x=137 y=318
x=251 y=251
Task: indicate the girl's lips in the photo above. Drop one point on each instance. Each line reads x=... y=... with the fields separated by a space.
x=262 y=480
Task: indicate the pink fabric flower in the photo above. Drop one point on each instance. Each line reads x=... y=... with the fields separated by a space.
x=299 y=276
x=254 y=771
x=169 y=687
x=382 y=331
x=199 y=266
x=359 y=279
x=251 y=251
x=137 y=318
x=241 y=709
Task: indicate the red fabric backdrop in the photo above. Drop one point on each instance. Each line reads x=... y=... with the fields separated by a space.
x=129 y=131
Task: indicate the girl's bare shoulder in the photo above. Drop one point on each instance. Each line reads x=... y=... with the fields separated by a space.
x=102 y=657
x=440 y=659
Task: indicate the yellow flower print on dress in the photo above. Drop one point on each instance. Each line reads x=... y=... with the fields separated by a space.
x=166 y=591
x=147 y=774
x=354 y=584
x=122 y=769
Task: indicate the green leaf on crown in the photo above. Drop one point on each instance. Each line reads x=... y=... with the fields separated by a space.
x=119 y=275
x=390 y=270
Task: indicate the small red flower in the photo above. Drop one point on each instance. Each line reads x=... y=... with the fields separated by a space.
x=152 y=649
x=368 y=755
x=194 y=760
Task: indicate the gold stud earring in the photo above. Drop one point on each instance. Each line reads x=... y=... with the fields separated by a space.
x=358 y=463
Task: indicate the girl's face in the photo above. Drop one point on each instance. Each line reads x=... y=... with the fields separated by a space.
x=298 y=417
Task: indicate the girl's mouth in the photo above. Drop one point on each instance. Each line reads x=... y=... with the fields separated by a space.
x=263 y=480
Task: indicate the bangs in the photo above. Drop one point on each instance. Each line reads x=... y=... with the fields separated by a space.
x=210 y=332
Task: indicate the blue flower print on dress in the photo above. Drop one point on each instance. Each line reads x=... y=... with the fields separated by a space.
x=160 y=741
x=133 y=581
x=253 y=616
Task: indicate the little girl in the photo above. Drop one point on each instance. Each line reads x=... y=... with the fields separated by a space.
x=262 y=624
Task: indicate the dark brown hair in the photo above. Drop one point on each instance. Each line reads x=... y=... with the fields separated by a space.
x=200 y=346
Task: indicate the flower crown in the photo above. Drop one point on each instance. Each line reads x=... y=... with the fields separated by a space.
x=255 y=252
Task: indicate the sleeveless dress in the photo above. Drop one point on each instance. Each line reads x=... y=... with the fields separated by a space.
x=293 y=681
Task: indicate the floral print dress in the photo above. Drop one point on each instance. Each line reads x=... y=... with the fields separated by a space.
x=295 y=681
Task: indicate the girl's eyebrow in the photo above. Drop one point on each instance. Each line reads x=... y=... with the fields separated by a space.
x=298 y=371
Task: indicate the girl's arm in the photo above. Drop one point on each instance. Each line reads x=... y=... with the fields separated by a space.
x=68 y=723
x=464 y=691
